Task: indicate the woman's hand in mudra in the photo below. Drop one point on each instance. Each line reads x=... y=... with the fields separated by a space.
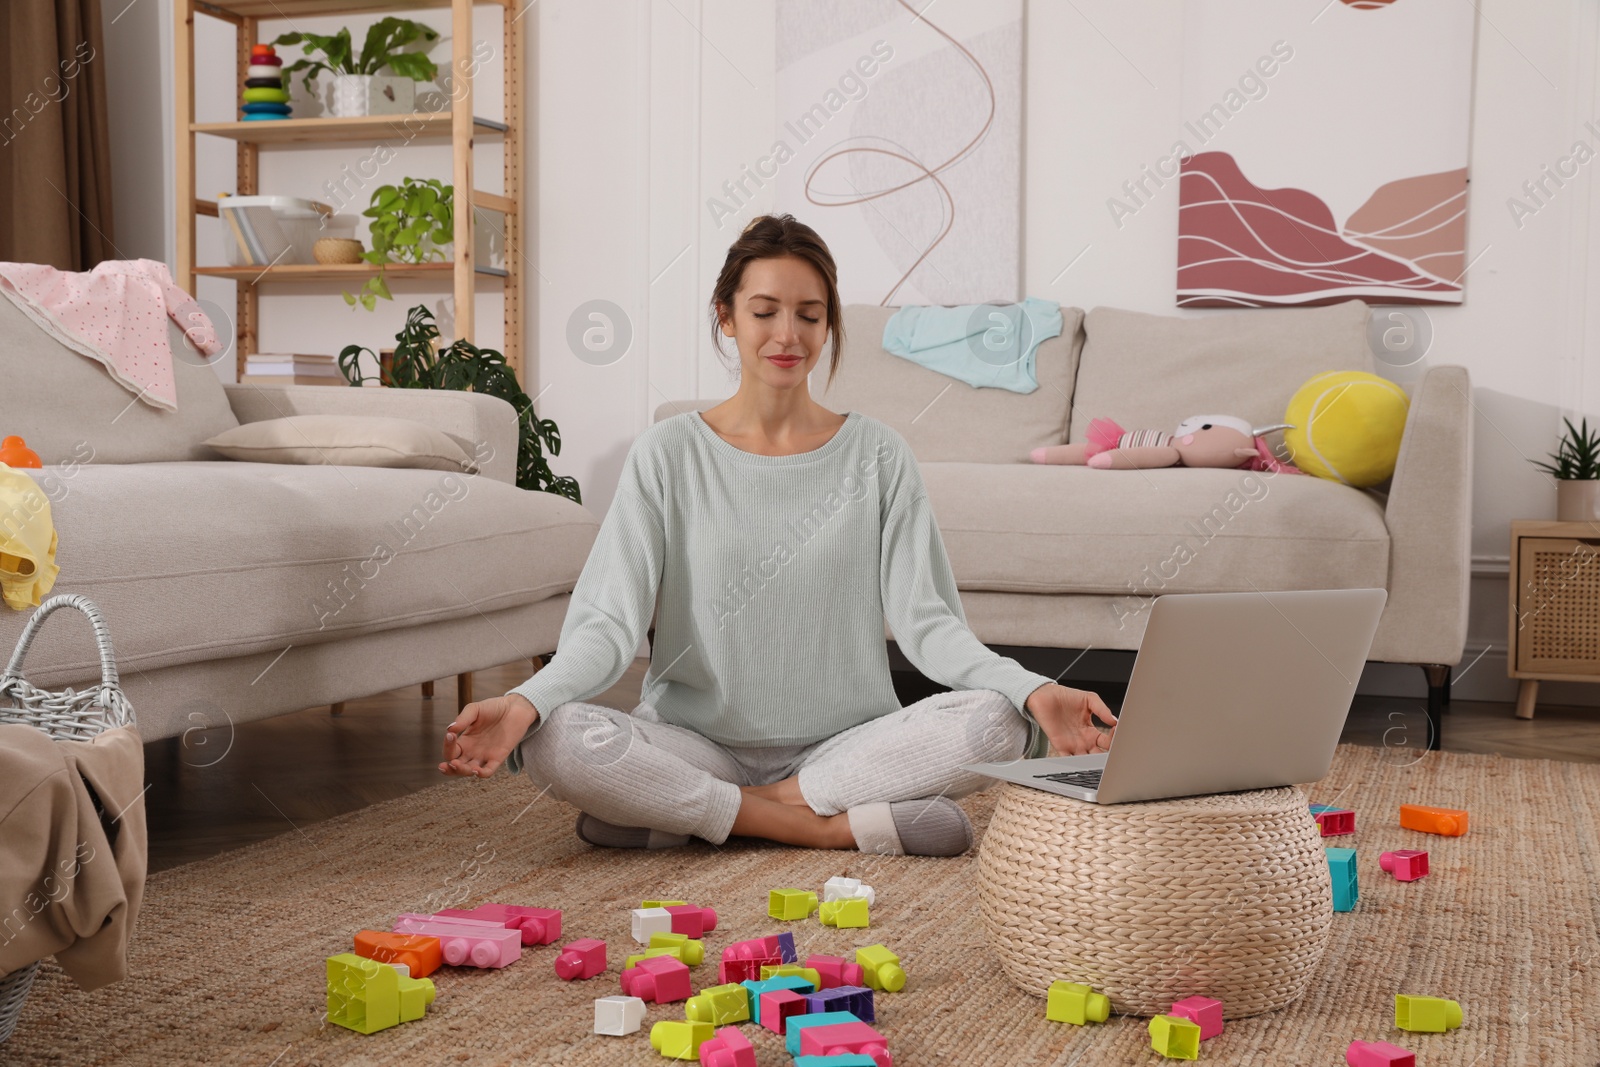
x=484 y=734
x=1068 y=719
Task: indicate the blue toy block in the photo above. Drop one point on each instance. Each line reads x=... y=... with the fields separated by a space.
x=851 y=998
x=1342 y=866
x=848 y=1059
x=791 y=1034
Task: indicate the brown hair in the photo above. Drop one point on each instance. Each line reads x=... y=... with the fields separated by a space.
x=767 y=237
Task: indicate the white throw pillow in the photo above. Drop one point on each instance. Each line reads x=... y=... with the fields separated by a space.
x=344 y=440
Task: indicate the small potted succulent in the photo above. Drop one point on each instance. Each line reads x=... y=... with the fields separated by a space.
x=358 y=88
x=413 y=222
x=1576 y=468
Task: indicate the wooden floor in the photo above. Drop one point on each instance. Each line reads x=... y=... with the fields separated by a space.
x=228 y=787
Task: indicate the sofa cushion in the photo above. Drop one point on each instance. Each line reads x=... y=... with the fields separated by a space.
x=194 y=561
x=1152 y=371
x=69 y=409
x=1056 y=529
x=942 y=418
x=346 y=440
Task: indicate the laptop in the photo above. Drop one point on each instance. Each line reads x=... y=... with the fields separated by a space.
x=1230 y=691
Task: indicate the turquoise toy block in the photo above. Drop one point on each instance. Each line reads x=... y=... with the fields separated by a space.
x=1342 y=865
x=791 y=1034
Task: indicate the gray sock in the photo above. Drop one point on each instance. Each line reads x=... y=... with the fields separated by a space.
x=929 y=826
x=604 y=834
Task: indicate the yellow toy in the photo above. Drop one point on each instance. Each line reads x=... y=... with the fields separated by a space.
x=790 y=904
x=880 y=969
x=1076 y=1003
x=663 y=903
x=691 y=951
x=849 y=914
x=1346 y=426
x=660 y=950
x=1175 y=1037
x=1429 y=1015
x=680 y=1041
x=27 y=541
x=719 y=1005
x=367 y=996
x=793 y=970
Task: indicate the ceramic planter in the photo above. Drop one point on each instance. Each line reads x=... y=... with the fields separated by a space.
x=352 y=95
x=1577 y=499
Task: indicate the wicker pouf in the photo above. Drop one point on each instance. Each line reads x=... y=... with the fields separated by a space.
x=1224 y=896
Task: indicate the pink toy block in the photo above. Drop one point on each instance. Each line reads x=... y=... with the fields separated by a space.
x=835 y=971
x=742 y=960
x=1202 y=1011
x=1333 y=822
x=538 y=926
x=729 y=1048
x=1406 y=864
x=692 y=921
x=846 y=1037
x=1378 y=1054
x=777 y=1005
x=465 y=942
x=663 y=979
x=581 y=959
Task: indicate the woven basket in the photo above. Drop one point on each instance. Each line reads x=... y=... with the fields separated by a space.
x=1225 y=896
x=65 y=716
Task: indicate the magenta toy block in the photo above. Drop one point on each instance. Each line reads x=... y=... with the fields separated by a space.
x=1406 y=864
x=1378 y=1054
x=1202 y=1011
x=846 y=1037
x=835 y=970
x=538 y=926
x=691 y=921
x=742 y=960
x=663 y=979
x=581 y=959
x=1333 y=822
x=466 y=942
x=777 y=1005
x=729 y=1048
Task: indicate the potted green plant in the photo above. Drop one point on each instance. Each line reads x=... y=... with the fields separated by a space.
x=358 y=88
x=413 y=222
x=1576 y=468
x=418 y=363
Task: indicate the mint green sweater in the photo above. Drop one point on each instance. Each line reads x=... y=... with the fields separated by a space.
x=775 y=575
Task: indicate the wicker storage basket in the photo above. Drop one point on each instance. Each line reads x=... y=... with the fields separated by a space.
x=67 y=715
x=1225 y=896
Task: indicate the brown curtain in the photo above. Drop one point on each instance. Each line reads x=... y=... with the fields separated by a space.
x=55 y=156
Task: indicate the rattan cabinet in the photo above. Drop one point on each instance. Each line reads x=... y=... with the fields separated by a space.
x=1555 y=606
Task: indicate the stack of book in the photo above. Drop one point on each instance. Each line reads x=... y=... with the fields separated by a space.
x=292 y=368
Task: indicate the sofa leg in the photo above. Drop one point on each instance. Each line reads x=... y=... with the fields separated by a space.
x=1438 y=675
x=336 y=709
x=463 y=691
x=427 y=690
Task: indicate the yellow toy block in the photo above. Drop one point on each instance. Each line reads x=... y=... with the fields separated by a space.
x=789 y=904
x=793 y=970
x=1175 y=1037
x=663 y=903
x=719 y=1005
x=1429 y=1015
x=847 y=914
x=680 y=1040
x=662 y=950
x=367 y=996
x=1076 y=1003
x=880 y=969
x=691 y=950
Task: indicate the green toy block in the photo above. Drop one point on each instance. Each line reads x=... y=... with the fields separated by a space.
x=790 y=904
x=1429 y=1015
x=663 y=903
x=793 y=970
x=1175 y=1037
x=680 y=1040
x=1342 y=866
x=367 y=996
x=847 y=914
x=660 y=950
x=693 y=951
x=1076 y=1003
x=880 y=969
x=719 y=1005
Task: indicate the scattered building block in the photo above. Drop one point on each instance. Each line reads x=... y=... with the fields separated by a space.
x=1333 y=822
x=847 y=914
x=841 y=888
x=1406 y=864
x=584 y=958
x=647 y=921
x=755 y=989
x=846 y=1037
x=421 y=955
x=848 y=1059
x=691 y=921
x=1175 y=1038
x=466 y=942
x=777 y=1005
x=366 y=996
x=785 y=942
x=743 y=960
x=857 y=1000
x=1342 y=866
x=728 y=1047
x=662 y=979
x=647 y=905
x=538 y=926
x=720 y=1005
x=1450 y=822
x=690 y=950
x=1076 y=1003
x=679 y=1040
x=792 y=970
x=880 y=968
x=617 y=1016
x=1428 y=1015
x=1205 y=1012
x=791 y=904
x=834 y=970
x=791 y=1037
x=1378 y=1054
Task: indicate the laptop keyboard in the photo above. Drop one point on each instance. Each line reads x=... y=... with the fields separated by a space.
x=1089 y=779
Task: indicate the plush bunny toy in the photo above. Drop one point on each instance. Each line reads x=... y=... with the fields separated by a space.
x=1200 y=441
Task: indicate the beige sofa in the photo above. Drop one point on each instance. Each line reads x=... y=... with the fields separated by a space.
x=1069 y=557
x=234 y=591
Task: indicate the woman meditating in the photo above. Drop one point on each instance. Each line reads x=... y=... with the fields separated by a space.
x=779 y=536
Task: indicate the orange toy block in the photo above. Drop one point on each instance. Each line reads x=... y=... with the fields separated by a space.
x=421 y=954
x=1451 y=822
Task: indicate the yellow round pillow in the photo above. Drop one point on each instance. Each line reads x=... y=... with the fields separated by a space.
x=1347 y=427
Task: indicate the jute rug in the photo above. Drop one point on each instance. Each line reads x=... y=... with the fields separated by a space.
x=227 y=960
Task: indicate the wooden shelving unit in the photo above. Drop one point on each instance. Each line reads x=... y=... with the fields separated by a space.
x=458 y=126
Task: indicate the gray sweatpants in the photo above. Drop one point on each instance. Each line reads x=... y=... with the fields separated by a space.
x=635 y=770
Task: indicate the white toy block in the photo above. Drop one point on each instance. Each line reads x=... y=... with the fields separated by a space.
x=616 y=1016
x=841 y=888
x=647 y=921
